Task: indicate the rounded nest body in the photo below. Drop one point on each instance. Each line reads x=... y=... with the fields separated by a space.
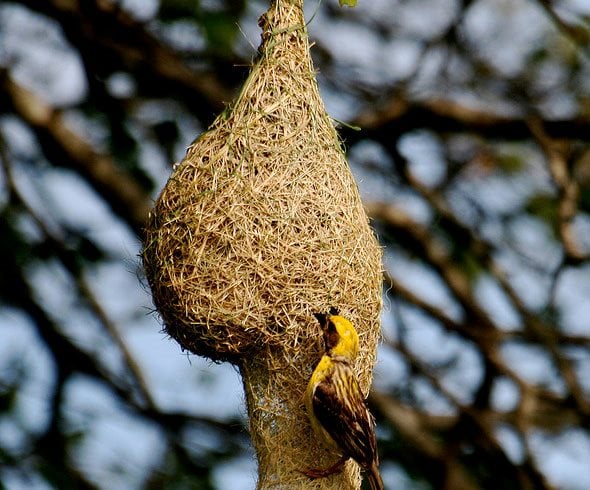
x=261 y=224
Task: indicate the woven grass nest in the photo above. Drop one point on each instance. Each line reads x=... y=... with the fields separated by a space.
x=260 y=226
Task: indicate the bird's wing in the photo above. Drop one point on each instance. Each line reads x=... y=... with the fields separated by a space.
x=340 y=407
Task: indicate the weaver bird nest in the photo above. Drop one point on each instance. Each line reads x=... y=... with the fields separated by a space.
x=260 y=226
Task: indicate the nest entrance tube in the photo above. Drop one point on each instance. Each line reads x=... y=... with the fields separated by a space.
x=260 y=226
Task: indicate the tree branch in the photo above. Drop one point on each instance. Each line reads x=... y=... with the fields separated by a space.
x=399 y=116
x=63 y=147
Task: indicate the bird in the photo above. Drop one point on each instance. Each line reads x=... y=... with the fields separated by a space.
x=335 y=403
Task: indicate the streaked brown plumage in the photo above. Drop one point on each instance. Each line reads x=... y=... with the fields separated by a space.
x=335 y=403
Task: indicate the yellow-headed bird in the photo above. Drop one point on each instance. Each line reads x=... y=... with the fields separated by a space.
x=335 y=403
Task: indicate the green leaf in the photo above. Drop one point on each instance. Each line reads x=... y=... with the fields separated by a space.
x=510 y=163
x=347 y=3
x=543 y=206
x=220 y=30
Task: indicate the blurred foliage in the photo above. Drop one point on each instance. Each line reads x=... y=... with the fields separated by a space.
x=474 y=161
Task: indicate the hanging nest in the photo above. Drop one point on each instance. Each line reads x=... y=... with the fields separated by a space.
x=260 y=226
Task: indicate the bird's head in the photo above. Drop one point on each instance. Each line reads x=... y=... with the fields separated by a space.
x=340 y=336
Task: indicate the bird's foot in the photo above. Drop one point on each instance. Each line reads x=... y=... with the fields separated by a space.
x=318 y=473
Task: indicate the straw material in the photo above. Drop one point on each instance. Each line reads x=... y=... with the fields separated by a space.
x=260 y=226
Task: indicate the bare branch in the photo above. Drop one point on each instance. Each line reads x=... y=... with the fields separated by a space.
x=568 y=189
x=399 y=116
x=66 y=148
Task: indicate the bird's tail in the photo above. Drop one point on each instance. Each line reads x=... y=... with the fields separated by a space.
x=375 y=478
